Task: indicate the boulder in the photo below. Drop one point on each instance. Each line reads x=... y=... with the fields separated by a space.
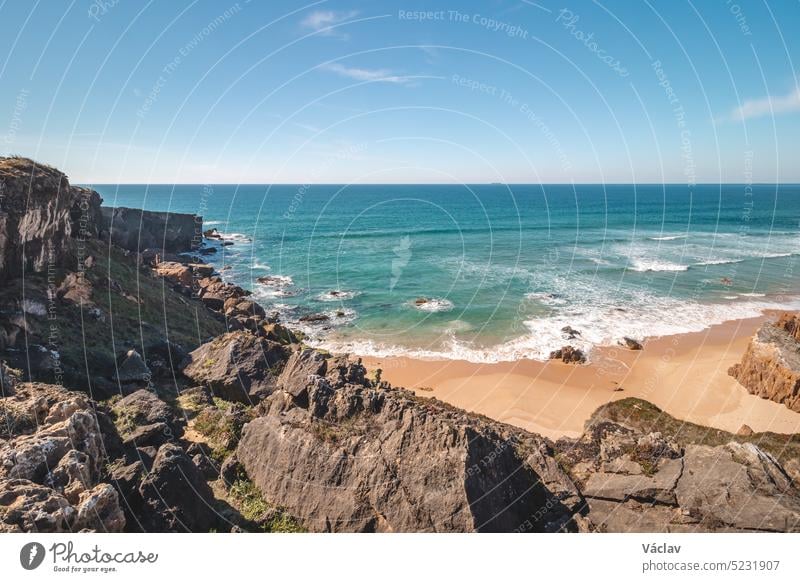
x=131 y=368
x=176 y=495
x=569 y=355
x=299 y=373
x=75 y=288
x=175 y=273
x=770 y=367
x=632 y=344
x=145 y=412
x=237 y=366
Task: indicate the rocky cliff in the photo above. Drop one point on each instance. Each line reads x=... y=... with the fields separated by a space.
x=40 y=214
x=137 y=230
x=770 y=368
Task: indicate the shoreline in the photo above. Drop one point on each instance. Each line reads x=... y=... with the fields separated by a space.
x=686 y=375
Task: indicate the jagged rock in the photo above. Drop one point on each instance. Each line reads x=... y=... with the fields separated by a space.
x=570 y=332
x=299 y=372
x=237 y=366
x=145 y=419
x=770 y=367
x=175 y=273
x=352 y=461
x=230 y=470
x=278 y=333
x=738 y=486
x=32 y=456
x=28 y=507
x=99 y=510
x=646 y=482
x=569 y=355
x=134 y=230
x=744 y=430
x=75 y=288
x=132 y=369
x=176 y=495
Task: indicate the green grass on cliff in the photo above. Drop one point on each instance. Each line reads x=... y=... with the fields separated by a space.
x=646 y=417
x=137 y=310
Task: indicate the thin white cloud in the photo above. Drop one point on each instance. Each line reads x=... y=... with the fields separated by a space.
x=324 y=22
x=770 y=105
x=359 y=74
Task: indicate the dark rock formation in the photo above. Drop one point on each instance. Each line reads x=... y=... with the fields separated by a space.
x=176 y=494
x=569 y=355
x=137 y=230
x=770 y=368
x=39 y=215
x=237 y=366
x=632 y=344
x=363 y=458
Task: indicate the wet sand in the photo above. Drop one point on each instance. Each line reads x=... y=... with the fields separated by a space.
x=684 y=375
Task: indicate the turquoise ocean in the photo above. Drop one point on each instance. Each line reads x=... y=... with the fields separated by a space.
x=494 y=272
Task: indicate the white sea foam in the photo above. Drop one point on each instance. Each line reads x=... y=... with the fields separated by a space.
x=434 y=304
x=211 y=222
x=550 y=299
x=670 y=237
x=275 y=280
x=236 y=237
x=657 y=265
x=336 y=295
x=604 y=327
x=261 y=266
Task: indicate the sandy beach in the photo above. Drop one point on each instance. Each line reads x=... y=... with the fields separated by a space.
x=684 y=375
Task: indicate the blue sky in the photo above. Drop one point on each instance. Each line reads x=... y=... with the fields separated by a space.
x=332 y=91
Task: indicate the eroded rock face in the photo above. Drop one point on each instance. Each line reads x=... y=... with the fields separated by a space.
x=770 y=368
x=237 y=366
x=647 y=483
x=359 y=457
x=39 y=215
x=136 y=230
x=51 y=463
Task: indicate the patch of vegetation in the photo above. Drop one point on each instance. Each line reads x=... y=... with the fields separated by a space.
x=222 y=426
x=254 y=508
x=15 y=420
x=646 y=417
x=132 y=308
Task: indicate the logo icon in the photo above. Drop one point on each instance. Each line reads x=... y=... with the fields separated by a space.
x=31 y=555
